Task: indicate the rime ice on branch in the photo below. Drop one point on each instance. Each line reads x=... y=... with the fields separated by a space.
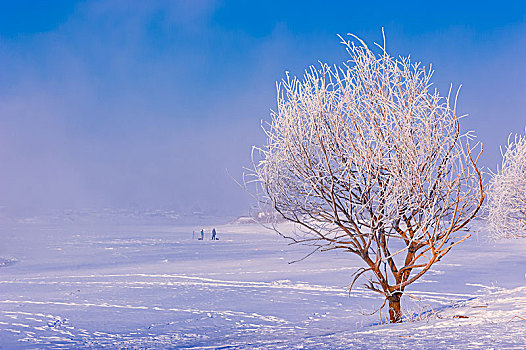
x=507 y=192
x=369 y=159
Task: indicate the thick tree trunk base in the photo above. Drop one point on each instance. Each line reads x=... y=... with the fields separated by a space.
x=395 y=310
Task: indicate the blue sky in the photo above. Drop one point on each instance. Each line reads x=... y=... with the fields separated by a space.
x=155 y=104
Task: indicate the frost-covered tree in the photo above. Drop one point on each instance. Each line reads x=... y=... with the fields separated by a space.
x=507 y=192
x=369 y=159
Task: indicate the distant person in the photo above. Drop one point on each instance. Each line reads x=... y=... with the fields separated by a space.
x=214 y=234
x=202 y=235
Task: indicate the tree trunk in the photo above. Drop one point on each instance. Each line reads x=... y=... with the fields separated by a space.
x=395 y=311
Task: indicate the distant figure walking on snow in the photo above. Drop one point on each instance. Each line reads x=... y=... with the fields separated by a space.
x=214 y=234
x=202 y=235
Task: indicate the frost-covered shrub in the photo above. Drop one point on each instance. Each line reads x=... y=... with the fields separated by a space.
x=507 y=192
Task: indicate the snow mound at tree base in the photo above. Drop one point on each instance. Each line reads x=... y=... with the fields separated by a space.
x=494 y=321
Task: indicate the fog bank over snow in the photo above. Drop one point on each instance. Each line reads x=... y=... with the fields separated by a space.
x=116 y=216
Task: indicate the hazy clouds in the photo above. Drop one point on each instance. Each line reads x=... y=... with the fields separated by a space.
x=146 y=104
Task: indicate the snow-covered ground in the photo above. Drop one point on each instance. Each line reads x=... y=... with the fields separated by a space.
x=145 y=286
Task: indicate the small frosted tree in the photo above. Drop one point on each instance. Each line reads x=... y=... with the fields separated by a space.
x=507 y=192
x=367 y=158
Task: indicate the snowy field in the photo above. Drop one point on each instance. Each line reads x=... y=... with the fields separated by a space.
x=144 y=286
